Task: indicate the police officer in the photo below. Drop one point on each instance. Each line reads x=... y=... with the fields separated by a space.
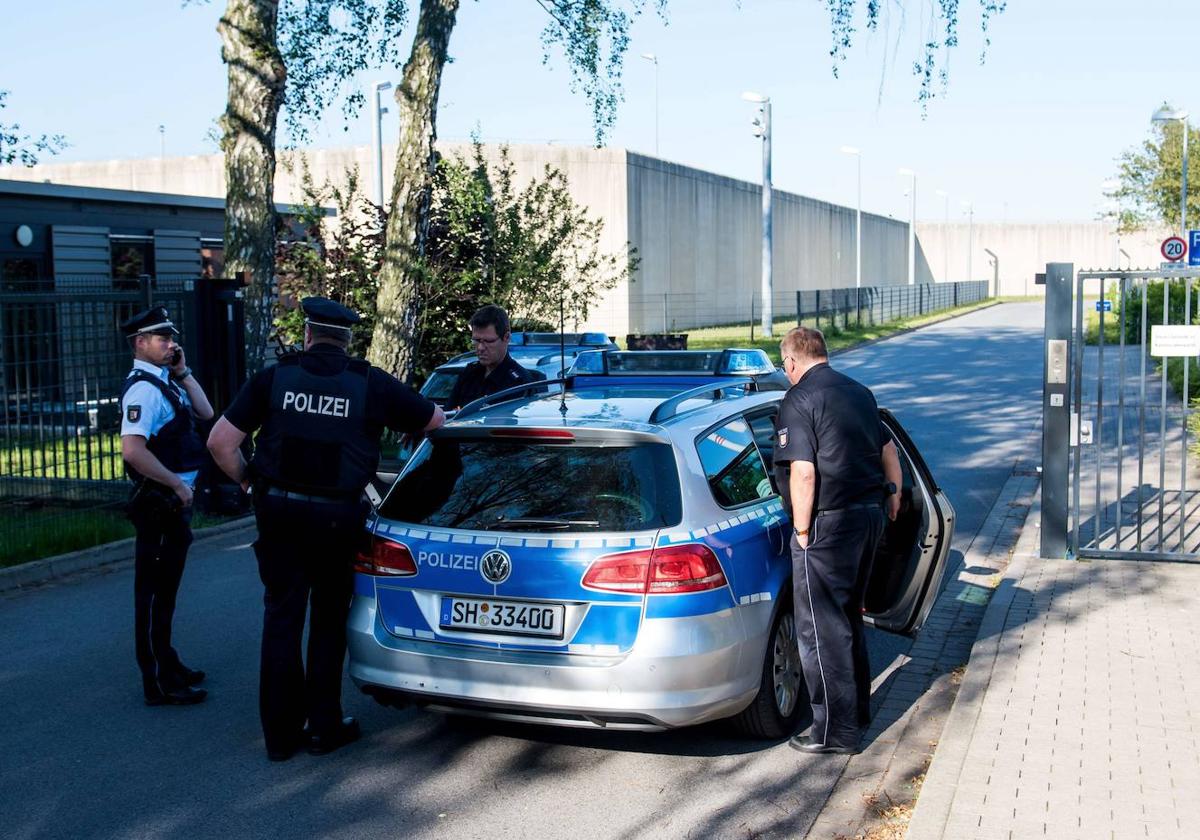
x=319 y=416
x=160 y=401
x=838 y=469
x=495 y=370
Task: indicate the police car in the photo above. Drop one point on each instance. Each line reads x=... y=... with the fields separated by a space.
x=614 y=555
x=541 y=352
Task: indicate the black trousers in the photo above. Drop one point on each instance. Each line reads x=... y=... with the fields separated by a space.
x=305 y=556
x=160 y=550
x=829 y=580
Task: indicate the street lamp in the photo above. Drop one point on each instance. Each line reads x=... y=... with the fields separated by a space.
x=851 y=150
x=1170 y=115
x=945 y=235
x=970 y=208
x=912 y=226
x=761 y=127
x=377 y=135
x=652 y=58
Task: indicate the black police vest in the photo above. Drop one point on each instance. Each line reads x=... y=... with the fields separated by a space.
x=177 y=445
x=315 y=438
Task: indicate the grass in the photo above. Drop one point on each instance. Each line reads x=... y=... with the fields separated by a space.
x=738 y=335
x=95 y=456
x=32 y=534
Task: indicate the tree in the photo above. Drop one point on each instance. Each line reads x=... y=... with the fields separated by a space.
x=1149 y=178
x=527 y=249
x=307 y=47
x=16 y=147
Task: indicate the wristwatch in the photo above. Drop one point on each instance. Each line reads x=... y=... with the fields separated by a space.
x=184 y=374
x=800 y=533
x=890 y=488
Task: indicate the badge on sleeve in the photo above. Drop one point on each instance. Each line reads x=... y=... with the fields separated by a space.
x=783 y=436
x=133 y=413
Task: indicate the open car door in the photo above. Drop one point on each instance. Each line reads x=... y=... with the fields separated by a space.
x=911 y=560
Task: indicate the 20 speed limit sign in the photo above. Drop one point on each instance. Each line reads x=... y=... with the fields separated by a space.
x=1174 y=248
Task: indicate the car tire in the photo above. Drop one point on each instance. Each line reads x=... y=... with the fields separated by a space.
x=776 y=709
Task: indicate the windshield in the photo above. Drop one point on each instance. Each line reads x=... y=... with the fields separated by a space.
x=439 y=384
x=485 y=484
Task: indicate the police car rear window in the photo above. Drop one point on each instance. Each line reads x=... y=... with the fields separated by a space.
x=518 y=486
x=440 y=384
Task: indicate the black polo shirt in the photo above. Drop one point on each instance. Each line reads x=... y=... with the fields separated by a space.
x=476 y=382
x=832 y=421
x=390 y=403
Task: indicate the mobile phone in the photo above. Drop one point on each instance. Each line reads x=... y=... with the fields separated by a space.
x=176 y=356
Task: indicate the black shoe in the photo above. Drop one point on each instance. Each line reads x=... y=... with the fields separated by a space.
x=347 y=732
x=181 y=696
x=804 y=744
x=189 y=676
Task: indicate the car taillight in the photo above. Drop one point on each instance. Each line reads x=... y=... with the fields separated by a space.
x=385 y=558
x=660 y=571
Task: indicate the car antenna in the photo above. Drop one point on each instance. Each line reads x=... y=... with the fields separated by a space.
x=562 y=349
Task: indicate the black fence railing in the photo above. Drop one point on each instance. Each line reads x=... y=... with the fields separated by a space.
x=62 y=364
x=871 y=305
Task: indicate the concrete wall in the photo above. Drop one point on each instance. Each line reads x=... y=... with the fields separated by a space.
x=1024 y=249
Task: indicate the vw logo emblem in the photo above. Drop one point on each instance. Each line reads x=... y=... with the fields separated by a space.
x=495 y=566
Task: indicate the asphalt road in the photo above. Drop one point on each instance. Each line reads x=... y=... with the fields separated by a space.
x=80 y=756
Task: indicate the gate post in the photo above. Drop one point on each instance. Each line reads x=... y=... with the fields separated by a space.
x=1056 y=408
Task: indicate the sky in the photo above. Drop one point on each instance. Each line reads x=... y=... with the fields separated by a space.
x=1030 y=134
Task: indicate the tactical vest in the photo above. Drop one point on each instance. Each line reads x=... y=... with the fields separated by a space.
x=315 y=438
x=177 y=445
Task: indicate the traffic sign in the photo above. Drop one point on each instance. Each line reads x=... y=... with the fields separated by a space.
x=1104 y=306
x=1194 y=247
x=1174 y=248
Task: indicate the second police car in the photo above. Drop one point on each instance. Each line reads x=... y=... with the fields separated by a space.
x=614 y=555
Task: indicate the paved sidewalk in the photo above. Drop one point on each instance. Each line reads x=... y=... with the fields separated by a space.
x=1078 y=712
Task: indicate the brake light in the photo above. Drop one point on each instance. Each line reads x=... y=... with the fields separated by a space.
x=385 y=558
x=667 y=570
x=536 y=434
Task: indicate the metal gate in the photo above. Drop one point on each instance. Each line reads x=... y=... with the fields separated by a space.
x=1134 y=481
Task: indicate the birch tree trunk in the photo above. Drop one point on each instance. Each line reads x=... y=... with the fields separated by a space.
x=256 y=84
x=394 y=341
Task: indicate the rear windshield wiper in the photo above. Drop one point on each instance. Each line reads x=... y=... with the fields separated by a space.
x=532 y=524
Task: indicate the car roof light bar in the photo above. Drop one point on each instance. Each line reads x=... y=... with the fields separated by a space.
x=670 y=408
x=729 y=362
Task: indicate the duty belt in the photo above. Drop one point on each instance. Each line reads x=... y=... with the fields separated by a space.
x=306 y=497
x=855 y=506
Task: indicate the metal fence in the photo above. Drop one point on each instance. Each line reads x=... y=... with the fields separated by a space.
x=674 y=312
x=871 y=305
x=62 y=362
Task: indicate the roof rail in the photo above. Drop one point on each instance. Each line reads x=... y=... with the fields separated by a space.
x=476 y=406
x=670 y=408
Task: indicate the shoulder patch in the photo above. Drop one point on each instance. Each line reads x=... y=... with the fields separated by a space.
x=783 y=438
x=133 y=413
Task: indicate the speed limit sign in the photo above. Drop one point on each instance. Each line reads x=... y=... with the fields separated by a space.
x=1174 y=248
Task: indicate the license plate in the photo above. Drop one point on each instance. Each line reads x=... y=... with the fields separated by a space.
x=511 y=618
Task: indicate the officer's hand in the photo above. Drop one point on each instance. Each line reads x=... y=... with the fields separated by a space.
x=802 y=541
x=180 y=363
x=184 y=493
x=892 y=506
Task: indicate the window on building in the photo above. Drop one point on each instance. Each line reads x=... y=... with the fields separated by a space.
x=132 y=258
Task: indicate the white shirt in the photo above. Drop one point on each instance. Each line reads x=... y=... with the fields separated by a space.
x=144 y=409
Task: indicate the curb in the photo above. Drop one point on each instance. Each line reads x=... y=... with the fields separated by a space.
x=907 y=330
x=37 y=572
x=933 y=806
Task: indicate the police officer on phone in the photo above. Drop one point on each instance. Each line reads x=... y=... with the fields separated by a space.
x=160 y=402
x=838 y=471
x=319 y=415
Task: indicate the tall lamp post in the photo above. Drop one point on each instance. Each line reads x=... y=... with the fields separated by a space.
x=912 y=225
x=653 y=59
x=851 y=150
x=945 y=235
x=377 y=112
x=761 y=127
x=1170 y=115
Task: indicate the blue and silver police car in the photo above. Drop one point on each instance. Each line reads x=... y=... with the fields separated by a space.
x=613 y=555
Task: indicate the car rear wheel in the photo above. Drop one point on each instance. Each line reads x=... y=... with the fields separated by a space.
x=777 y=707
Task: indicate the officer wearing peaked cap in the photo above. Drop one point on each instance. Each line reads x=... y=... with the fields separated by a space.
x=160 y=401
x=319 y=416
